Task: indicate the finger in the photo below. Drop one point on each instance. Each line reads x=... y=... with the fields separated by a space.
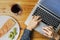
x=45 y=31
x=39 y=20
x=48 y=28
x=33 y=17
x=36 y=17
x=45 y=34
x=51 y=27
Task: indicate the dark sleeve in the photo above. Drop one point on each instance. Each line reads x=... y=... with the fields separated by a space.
x=26 y=35
x=52 y=39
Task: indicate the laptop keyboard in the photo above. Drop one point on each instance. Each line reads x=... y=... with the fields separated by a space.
x=46 y=17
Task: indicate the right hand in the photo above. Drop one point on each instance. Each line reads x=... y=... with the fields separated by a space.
x=49 y=32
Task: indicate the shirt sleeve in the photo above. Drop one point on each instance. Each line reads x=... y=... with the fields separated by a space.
x=26 y=35
x=52 y=39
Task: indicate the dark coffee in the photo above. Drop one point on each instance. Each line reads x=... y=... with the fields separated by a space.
x=16 y=8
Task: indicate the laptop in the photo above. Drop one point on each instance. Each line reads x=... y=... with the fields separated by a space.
x=49 y=10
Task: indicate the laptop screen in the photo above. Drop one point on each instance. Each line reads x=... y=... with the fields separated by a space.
x=53 y=5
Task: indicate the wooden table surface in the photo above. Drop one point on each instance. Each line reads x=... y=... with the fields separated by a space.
x=27 y=6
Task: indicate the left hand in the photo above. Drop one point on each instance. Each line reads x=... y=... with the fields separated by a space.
x=34 y=22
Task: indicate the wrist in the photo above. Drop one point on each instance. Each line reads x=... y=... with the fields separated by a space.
x=57 y=37
x=29 y=28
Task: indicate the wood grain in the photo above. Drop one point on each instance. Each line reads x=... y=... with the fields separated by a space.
x=27 y=6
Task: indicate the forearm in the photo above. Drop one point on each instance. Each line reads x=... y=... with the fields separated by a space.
x=26 y=35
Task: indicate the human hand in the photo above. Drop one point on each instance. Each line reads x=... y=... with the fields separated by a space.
x=49 y=32
x=34 y=22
